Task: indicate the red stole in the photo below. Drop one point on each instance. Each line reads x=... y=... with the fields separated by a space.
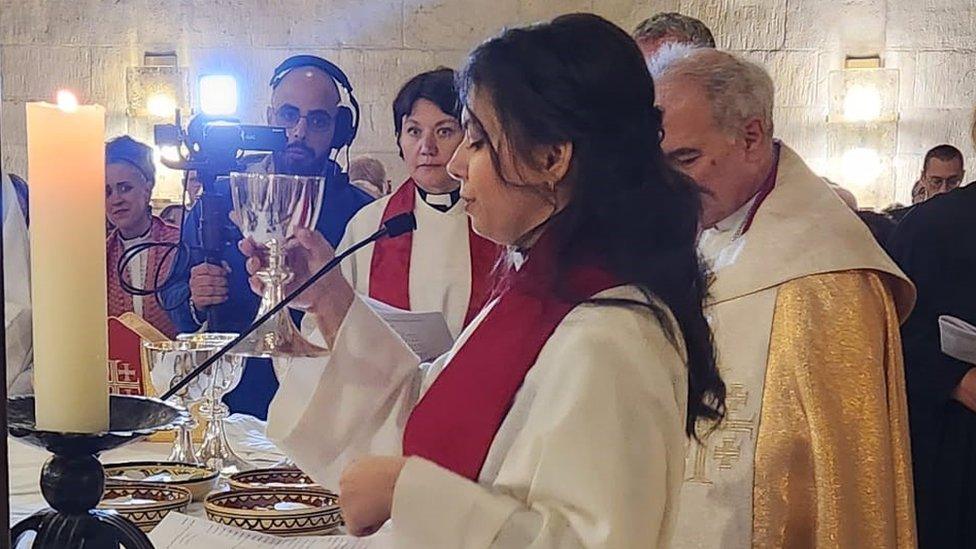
x=455 y=422
x=389 y=271
x=120 y=301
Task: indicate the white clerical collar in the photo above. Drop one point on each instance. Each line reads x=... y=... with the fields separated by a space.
x=720 y=245
x=439 y=199
x=736 y=218
x=442 y=201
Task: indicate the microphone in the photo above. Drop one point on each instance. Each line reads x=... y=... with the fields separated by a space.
x=399 y=224
x=395 y=226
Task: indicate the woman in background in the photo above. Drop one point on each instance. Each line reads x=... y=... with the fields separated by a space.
x=443 y=265
x=129 y=178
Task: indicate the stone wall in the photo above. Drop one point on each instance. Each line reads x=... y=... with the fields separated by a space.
x=87 y=44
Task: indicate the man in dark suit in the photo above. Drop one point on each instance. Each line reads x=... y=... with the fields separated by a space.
x=935 y=244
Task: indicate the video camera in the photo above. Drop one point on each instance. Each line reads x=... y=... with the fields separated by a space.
x=213 y=146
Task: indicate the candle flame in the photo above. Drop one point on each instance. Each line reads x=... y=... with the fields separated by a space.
x=67 y=101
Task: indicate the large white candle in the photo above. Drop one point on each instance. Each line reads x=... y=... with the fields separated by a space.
x=66 y=168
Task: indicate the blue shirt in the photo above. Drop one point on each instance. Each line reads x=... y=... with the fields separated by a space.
x=258 y=385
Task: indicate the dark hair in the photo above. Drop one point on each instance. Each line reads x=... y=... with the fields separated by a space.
x=581 y=79
x=436 y=86
x=942 y=152
x=685 y=28
x=126 y=150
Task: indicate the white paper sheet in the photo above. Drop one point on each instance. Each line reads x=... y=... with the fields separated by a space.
x=179 y=531
x=958 y=338
x=426 y=333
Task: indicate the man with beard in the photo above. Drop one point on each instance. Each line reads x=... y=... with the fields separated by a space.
x=306 y=100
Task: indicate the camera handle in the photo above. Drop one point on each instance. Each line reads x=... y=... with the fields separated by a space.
x=213 y=227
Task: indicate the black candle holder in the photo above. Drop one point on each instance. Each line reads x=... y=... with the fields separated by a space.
x=72 y=480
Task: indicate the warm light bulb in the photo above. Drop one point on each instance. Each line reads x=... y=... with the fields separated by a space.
x=861 y=166
x=67 y=101
x=161 y=105
x=862 y=103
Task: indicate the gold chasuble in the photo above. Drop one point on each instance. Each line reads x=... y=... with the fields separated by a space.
x=814 y=449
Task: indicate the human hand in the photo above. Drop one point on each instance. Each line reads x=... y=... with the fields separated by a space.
x=305 y=254
x=366 y=492
x=965 y=392
x=208 y=284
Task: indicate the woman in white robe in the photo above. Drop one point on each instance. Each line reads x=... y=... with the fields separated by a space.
x=560 y=416
x=443 y=265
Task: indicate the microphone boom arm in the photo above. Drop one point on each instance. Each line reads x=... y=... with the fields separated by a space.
x=395 y=226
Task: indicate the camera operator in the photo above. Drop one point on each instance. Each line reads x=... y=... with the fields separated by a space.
x=306 y=100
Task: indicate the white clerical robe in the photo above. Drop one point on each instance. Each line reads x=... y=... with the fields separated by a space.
x=17 y=298
x=590 y=454
x=440 y=259
x=813 y=450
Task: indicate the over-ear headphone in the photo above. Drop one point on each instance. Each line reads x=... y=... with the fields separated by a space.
x=347 y=119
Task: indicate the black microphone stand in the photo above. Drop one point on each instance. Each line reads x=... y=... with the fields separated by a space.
x=395 y=226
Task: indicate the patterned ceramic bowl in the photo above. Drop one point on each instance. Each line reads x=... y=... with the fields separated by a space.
x=198 y=479
x=272 y=478
x=282 y=511
x=145 y=504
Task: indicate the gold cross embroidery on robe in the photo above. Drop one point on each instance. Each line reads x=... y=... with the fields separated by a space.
x=723 y=445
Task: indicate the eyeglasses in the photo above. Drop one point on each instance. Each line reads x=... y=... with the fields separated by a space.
x=288 y=116
x=947 y=182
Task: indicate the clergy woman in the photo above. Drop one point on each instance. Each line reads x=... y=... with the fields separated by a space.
x=560 y=416
x=129 y=178
x=443 y=265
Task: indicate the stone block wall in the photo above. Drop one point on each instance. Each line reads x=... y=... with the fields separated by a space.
x=87 y=44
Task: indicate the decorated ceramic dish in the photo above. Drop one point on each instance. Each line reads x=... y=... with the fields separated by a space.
x=198 y=479
x=272 y=478
x=278 y=511
x=145 y=504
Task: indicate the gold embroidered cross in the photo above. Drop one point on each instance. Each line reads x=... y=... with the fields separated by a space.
x=732 y=427
x=737 y=397
x=728 y=453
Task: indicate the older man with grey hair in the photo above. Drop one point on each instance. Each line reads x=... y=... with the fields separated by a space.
x=671 y=28
x=805 y=309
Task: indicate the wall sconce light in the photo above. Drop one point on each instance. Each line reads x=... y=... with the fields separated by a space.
x=862 y=103
x=157 y=88
x=154 y=91
x=161 y=105
x=863 y=92
x=862 y=124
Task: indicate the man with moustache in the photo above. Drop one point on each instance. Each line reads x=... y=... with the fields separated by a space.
x=306 y=100
x=805 y=308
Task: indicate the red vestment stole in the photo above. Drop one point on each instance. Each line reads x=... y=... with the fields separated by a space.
x=389 y=271
x=455 y=422
x=120 y=301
